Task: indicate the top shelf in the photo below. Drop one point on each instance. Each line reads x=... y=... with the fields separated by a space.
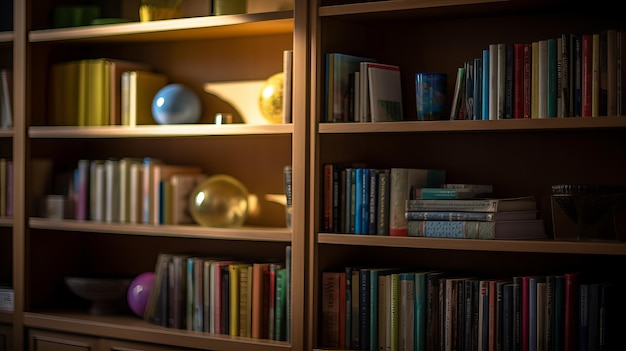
x=373 y=10
x=574 y=123
x=224 y=26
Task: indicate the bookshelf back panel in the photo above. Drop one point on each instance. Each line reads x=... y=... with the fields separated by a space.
x=192 y=63
x=6 y=148
x=76 y=253
x=6 y=257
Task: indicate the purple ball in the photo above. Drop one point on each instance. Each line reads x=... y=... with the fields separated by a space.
x=139 y=292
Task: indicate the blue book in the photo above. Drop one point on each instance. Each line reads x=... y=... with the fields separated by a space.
x=358 y=199
x=420 y=311
x=365 y=200
x=371 y=203
x=485 y=85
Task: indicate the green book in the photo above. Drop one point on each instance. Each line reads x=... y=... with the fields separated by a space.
x=280 y=308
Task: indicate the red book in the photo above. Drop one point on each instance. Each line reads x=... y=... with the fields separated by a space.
x=527 y=84
x=525 y=312
x=570 y=333
x=587 y=74
x=518 y=80
x=259 y=323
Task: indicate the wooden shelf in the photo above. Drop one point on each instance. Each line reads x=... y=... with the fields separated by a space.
x=6 y=133
x=469 y=126
x=134 y=329
x=6 y=37
x=147 y=131
x=191 y=231
x=176 y=29
x=545 y=246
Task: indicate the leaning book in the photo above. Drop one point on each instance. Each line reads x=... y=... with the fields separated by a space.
x=532 y=229
x=527 y=203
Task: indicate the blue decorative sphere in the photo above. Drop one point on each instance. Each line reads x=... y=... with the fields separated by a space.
x=176 y=104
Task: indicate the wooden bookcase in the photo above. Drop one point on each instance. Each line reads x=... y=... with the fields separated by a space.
x=192 y=51
x=519 y=157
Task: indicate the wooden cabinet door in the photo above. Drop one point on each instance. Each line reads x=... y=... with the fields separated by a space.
x=48 y=341
x=6 y=338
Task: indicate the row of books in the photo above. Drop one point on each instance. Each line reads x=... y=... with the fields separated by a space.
x=441 y=213
x=129 y=190
x=221 y=296
x=572 y=75
x=103 y=91
x=6 y=187
x=372 y=201
x=400 y=309
x=6 y=94
x=361 y=89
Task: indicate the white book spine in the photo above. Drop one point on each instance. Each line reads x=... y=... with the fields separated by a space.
x=287 y=85
x=97 y=192
x=135 y=193
x=112 y=176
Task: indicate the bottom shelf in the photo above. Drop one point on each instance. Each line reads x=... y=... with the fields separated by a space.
x=134 y=329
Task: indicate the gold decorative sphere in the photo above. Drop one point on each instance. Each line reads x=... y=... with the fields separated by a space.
x=219 y=201
x=271 y=99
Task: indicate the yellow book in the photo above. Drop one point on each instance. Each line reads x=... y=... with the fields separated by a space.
x=97 y=99
x=116 y=68
x=82 y=95
x=233 y=281
x=64 y=78
x=138 y=91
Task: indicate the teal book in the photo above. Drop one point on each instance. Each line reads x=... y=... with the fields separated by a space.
x=420 y=311
x=280 y=312
x=450 y=193
x=485 y=85
x=339 y=67
x=374 y=319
